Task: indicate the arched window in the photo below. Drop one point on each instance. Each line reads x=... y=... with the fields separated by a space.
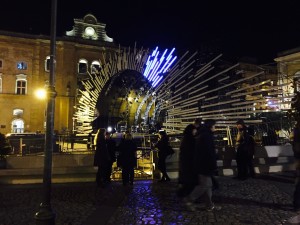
x=47 y=64
x=21 y=84
x=95 y=66
x=18 y=112
x=82 y=66
x=17 y=126
x=297 y=79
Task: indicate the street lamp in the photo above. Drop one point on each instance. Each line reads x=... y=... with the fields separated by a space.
x=41 y=93
x=45 y=215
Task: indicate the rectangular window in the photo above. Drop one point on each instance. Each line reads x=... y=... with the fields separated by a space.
x=1 y=63
x=82 y=68
x=21 y=87
x=22 y=66
x=47 y=64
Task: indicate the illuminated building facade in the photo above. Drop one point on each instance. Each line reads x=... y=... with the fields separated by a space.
x=288 y=64
x=24 y=68
x=94 y=77
x=98 y=81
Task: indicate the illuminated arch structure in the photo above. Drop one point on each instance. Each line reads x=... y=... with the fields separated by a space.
x=176 y=90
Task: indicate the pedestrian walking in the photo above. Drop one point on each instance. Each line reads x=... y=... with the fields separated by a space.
x=245 y=146
x=162 y=146
x=205 y=165
x=127 y=151
x=187 y=179
x=101 y=158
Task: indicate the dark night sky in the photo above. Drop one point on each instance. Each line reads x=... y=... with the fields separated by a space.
x=250 y=28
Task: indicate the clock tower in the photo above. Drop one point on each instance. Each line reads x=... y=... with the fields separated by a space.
x=89 y=28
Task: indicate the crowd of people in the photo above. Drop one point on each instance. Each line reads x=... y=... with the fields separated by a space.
x=197 y=160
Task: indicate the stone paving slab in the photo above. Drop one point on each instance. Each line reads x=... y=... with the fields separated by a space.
x=253 y=201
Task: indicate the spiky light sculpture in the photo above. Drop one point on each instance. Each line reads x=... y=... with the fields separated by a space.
x=188 y=89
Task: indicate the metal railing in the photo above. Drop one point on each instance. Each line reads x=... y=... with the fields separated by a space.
x=271 y=133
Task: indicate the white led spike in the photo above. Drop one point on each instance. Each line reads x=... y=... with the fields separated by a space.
x=157 y=65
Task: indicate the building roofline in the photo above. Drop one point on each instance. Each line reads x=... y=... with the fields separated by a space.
x=63 y=38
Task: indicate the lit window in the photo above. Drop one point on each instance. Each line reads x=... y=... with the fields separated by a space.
x=18 y=112
x=82 y=66
x=21 y=65
x=21 y=85
x=95 y=66
x=17 y=126
x=47 y=64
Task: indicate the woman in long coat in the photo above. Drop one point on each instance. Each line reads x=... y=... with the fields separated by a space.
x=187 y=176
x=101 y=157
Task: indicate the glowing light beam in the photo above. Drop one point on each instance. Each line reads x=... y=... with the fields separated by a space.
x=157 y=65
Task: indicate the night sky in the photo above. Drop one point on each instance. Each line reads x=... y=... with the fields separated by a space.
x=238 y=29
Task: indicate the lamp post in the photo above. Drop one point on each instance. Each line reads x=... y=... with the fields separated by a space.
x=41 y=94
x=45 y=215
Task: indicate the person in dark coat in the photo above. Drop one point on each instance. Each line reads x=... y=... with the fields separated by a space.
x=245 y=146
x=162 y=146
x=295 y=138
x=198 y=124
x=111 y=147
x=127 y=149
x=102 y=158
x=205 y=165
x=187 y=176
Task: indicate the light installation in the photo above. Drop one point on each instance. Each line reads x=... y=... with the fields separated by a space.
x=184 y=88
x=157 y=65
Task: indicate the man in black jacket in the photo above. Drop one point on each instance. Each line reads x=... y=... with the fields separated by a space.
x=205 y=165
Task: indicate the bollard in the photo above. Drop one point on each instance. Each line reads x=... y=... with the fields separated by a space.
x=21 y=146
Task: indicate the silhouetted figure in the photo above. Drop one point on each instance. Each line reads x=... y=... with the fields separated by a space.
x=111 y=147
x=295 y=138
x=187 y=174
x=101 y=158
x=245 y=146
x=162 y=146
x=205 y=165
x=198 y=124
x=127 y=151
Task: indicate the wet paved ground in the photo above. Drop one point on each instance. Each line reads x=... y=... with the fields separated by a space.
x=265 y=200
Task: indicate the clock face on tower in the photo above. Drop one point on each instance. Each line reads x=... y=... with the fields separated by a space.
x=89 y=31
